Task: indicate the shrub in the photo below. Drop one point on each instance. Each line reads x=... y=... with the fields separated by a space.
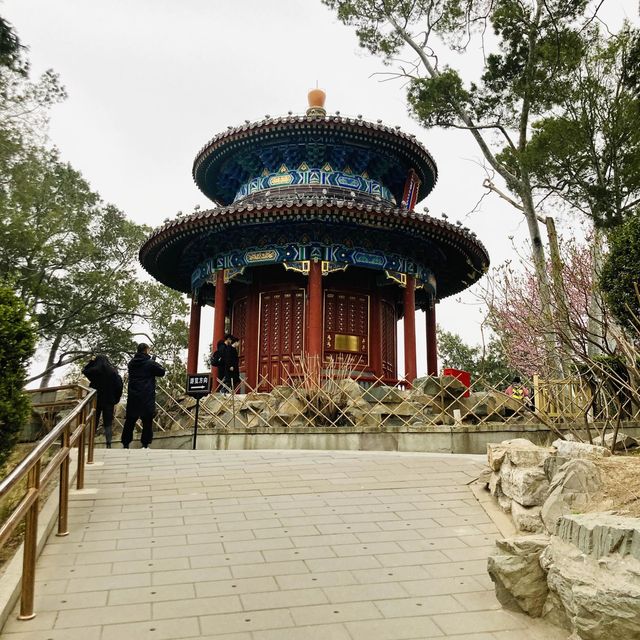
x=17 y=342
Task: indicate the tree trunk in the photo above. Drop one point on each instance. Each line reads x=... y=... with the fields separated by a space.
x=51 y=360
x=595 y=323
x=562 y=320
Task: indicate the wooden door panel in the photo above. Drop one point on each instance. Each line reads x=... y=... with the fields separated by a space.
x=281 y=335
x=239 y=328
x=388 y=334
x=346 y=325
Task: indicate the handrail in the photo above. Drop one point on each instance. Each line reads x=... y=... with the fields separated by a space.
x=69 y=431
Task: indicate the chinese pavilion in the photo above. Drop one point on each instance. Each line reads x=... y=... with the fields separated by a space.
x=314 y=247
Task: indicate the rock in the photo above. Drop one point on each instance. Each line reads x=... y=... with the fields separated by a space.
x=567 y=449
x=291 y=407
x=623 y=442
x=527 y=485
x=529 y=456
x=494 y=484
x=350 y=388
x=497 y=452
x=601 y=534
x=484 y=477
x=598 y=596
x=576 y=482
x=383 y=393
x=282 y=392
x=526 y=519
x=515 y=569
x=452 y=386
x=505 y=503
x=430 y=385
x=479 y=405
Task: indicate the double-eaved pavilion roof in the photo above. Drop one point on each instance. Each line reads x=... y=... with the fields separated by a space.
x=240 y=153
x=307 y=180
x=456 y=257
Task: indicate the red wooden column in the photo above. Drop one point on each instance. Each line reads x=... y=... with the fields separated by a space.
x=432 y=344
x=375 y=340
x=314 y=318
x=194 y=337
x=220 y=313
x=410 y=367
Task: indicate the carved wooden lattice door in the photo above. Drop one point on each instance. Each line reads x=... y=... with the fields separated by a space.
x=388 y=335
x=346 y=318
x=281 y=341
x=239 y=328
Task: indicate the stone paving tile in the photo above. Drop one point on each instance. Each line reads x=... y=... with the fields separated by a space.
x=407 y=607
x=366 y=592
x=343 y=612
x=273 y=545
x=42 y=622
x=190 y=575
x=235 y=586
x=319 y=632
x=112 y=614
x=289 y=598
x=81 y=600
x=85 y=633
x=195 y=607
x=176 y=629
x=415 y=628
x=327 y=579
x=479 y=621
x=247 y=621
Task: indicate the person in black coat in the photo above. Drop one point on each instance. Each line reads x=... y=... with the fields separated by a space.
x=141 y=395
x=105 y=379
x=231 y=364
x=217 y=360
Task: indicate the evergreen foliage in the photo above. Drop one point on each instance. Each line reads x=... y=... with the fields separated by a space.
x=488 y=366
x=17 y=341
x=70 y=257
x=620 y=279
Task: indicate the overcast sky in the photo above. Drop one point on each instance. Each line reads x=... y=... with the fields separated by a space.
x=151 y=81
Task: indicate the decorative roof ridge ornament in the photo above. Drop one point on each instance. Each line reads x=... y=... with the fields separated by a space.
x=316 y=98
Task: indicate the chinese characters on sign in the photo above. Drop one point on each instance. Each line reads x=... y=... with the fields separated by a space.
x=198 y=384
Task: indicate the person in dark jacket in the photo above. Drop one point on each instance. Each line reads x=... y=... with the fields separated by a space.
x=217 y=360
x=141 y=395
x=231 y=363
x=105 y=379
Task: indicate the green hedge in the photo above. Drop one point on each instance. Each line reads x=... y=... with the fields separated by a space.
x=17 y=343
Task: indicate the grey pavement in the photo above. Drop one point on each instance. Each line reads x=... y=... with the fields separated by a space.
x=273 y=545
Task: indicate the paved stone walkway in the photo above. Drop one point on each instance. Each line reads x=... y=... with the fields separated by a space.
x=273 y=545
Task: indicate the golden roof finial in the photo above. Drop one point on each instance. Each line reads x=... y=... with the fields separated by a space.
x=316 y=99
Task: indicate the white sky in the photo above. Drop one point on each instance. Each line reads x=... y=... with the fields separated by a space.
x=150 y=81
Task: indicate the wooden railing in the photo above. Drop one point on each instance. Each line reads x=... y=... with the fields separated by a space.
x=70 y=431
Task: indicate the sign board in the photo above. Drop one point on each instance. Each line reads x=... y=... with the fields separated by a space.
x=198 y=384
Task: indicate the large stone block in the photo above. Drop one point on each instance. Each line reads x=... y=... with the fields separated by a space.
x=598 y=595
x=429 y=385
x=601 y=534
x=384 y=394
x=496 y=452
x=623 y=442
x=568 y=449
x=452 y=386
x=495 y=484
x=479 y=404
x=527 y=485
x=526 y=519
x=350 y=388
x=572 y=487
x=519 y=580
